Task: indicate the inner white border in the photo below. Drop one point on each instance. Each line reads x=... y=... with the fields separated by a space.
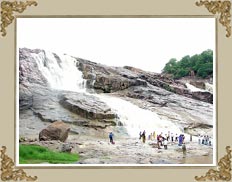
x=110 y=165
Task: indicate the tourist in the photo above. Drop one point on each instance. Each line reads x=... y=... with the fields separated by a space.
x=172 y=137
x=191 y=137
x=202 y=140
x=176 y=138
x=210 y=141
x=154 y=135
x=183 y=138
x=184 y=150
x=199 y=139
x=140 y=135
x=151 y=136
x=168 y=135
x=144 y=136
x=180 y=140
x=165 y=144
x=206 y=140
x=111 y=137
x=159 y=140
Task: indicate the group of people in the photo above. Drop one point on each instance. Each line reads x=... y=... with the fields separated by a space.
x=204 y=140
x=162 y=140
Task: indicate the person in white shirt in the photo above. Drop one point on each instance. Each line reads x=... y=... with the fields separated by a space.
x=165 y=144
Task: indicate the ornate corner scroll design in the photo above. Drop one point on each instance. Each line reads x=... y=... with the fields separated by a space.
x=8 y=171
x=221 y=7
x=7 y=12
x=224 y=169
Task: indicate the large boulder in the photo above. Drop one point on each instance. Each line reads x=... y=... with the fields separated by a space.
x=111 y=83
x=56 y=131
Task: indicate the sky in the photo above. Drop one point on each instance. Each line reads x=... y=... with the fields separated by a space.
x=145 y=43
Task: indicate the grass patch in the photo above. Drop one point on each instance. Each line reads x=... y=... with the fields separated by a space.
x=34 y=154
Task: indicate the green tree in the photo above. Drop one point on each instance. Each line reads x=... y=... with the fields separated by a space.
x=201 y=64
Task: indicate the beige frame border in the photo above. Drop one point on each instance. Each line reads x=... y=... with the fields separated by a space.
x=125 y=16
x=228 y=158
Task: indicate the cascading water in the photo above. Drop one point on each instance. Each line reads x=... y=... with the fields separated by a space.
x=136 y=119
x=193 y=88
x=62 y=73
x=208 y=88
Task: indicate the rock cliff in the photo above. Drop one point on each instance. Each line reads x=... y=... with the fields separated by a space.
x=169 y=98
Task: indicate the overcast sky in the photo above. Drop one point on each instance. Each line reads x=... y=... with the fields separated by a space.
x=146 y=43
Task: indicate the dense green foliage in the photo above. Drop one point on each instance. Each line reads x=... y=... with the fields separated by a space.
x=200 y=64
x=33 y=154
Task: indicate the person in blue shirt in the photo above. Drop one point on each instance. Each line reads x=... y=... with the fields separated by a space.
x=111 y=137
x=180 y=140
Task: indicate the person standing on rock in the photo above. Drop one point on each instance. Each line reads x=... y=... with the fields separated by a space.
x=154 y=135
x=180 y=140
x=202 y=139
x=140 y=135
x=176 y=138
x=210 y=141
x=144 y=136
x=207 y=140
x=199 y=139
x=184 y=150
x=172 y=137
x=183 y=138
x=111 y=135
x=165 y=144
x=168 y=138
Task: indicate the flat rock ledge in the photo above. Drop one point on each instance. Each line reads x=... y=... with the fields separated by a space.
x=87 y=106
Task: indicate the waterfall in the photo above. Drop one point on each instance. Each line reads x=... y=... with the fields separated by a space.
x=193 y=88
x=208 y=88
x=136 y=119
x=61 y=73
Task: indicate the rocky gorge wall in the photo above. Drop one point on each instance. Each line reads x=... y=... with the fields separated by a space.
x=170 y=99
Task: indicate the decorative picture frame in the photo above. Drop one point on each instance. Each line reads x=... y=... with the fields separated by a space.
x=221 y=10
